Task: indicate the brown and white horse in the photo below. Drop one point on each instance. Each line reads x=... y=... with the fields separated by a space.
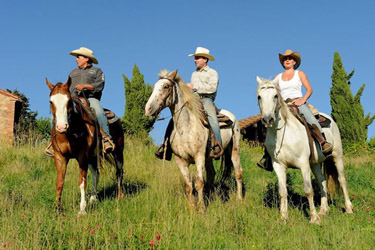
x=189 y=136
x=75 y=135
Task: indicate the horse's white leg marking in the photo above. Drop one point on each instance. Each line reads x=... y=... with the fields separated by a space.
x=340 y=169
x=83 y=195
x=324 y=208
x=94 y=181
x=280 y=171
x=184 y=168
x=305 y=169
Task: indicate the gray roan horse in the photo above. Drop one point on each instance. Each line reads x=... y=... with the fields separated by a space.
x=189 y=136
x=287 y=143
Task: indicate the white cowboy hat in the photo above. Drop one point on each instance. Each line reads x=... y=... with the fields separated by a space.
x=85 y=52
x=200 y=51
x=295 y=55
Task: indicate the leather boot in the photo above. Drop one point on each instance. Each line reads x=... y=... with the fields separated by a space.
x=108 y=145
x=266 y=162
x=326 y=147
x=165 y=149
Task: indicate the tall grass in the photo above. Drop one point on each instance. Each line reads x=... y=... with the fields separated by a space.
x=155 y=214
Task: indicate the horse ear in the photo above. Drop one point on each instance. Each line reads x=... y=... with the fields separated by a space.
x=259 y=80
x=50 y=85
x=275 y=81
x=68 y=82
x=173 y=74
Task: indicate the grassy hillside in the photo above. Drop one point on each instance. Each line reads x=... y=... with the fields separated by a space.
x=155 y=214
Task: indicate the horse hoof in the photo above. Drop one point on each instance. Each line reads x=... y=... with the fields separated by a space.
x=93 y=199
x=82 y=213
x=315 y=220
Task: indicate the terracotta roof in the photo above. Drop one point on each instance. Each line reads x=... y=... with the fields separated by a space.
x=4 y=92
x=249 y=121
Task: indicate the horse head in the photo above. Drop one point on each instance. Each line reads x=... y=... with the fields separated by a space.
x=61 y=104
x=269 y=100
x=163 y=93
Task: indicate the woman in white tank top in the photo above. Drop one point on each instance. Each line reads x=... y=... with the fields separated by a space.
x=290 y=83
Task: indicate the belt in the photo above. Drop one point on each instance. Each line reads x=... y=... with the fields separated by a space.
x=211 y=96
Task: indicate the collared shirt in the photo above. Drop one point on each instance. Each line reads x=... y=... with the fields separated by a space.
x=205 y=80
x=89 y=75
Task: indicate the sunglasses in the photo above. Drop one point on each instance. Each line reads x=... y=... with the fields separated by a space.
x=288 y=58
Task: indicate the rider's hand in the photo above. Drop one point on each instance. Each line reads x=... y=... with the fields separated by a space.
x=190 y=85
x=80 y=87
x=298 y=102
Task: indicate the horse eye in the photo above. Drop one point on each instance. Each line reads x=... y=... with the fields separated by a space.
x=166 y=86
x=259 y=97
x=275 y=97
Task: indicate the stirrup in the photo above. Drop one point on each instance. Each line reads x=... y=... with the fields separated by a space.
x=108 y=145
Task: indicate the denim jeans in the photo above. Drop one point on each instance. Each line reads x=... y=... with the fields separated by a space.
x=208 y=105
x=309 y=116
x=102 y=119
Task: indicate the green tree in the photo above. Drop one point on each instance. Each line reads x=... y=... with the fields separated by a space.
x=44 y=128
x=26 y=122
x=137 y=93
x=347 y=110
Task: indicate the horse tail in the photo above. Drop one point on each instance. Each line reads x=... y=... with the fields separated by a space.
x=331 y=175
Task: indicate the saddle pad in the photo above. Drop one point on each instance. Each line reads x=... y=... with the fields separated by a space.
x=111 y=117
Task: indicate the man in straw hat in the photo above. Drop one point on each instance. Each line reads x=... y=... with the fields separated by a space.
x=204 y=81
x=290 y=84
x=90 y=78
x=89 y=81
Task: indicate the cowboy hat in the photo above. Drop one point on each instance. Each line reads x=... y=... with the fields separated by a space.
x=200 y=51
x=85 y=52
x=295 y=55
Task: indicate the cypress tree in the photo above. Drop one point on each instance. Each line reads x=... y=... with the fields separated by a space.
x=137 y=93
x=347 y=110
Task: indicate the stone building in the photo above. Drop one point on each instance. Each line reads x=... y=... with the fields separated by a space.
x=10 y=106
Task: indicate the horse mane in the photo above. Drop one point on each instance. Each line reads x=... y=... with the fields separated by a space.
x=191 y=99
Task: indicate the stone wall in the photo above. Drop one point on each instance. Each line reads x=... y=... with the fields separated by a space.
x=7 y=110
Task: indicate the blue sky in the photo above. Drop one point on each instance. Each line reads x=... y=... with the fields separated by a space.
x=244 y=36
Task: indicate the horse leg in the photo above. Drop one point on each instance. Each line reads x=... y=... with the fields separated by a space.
x=82 y=183
x=280 y=171
x=306 y=175
x=93 y=166
x=324 y=208
x=119 y=162
x=60 y=163
x=210 y=173
x=340 y=170
x=235 y=157
x=184 y=168
x=199 y=182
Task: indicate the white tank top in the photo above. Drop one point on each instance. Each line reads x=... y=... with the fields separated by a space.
x=292 y=88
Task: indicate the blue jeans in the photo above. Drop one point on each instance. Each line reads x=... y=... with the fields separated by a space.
x=309 y=116
x=208 y=105
x=102 y=119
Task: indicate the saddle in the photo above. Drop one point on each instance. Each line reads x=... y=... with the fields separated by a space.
x=323 y=121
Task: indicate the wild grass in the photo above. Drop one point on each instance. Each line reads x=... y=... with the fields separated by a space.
x=155 y=215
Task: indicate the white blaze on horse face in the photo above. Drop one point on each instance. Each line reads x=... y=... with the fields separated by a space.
x=60 y=101
x=156 y=103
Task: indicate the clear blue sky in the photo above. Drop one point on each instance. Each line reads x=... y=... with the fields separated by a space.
x=244 y=36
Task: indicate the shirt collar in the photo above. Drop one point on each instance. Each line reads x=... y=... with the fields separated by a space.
x=204 y=69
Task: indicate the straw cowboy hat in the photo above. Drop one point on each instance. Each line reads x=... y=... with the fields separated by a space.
x=85 y=52
x=295 y=55
x=200 y=51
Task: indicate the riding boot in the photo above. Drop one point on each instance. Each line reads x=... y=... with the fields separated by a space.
x=326 y=147
x=216 y=148
x=165 y=149
x=49 y=150
x=266 y=162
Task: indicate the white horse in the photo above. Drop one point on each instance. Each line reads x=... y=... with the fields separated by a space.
x=287 y=144
x=189 y=136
